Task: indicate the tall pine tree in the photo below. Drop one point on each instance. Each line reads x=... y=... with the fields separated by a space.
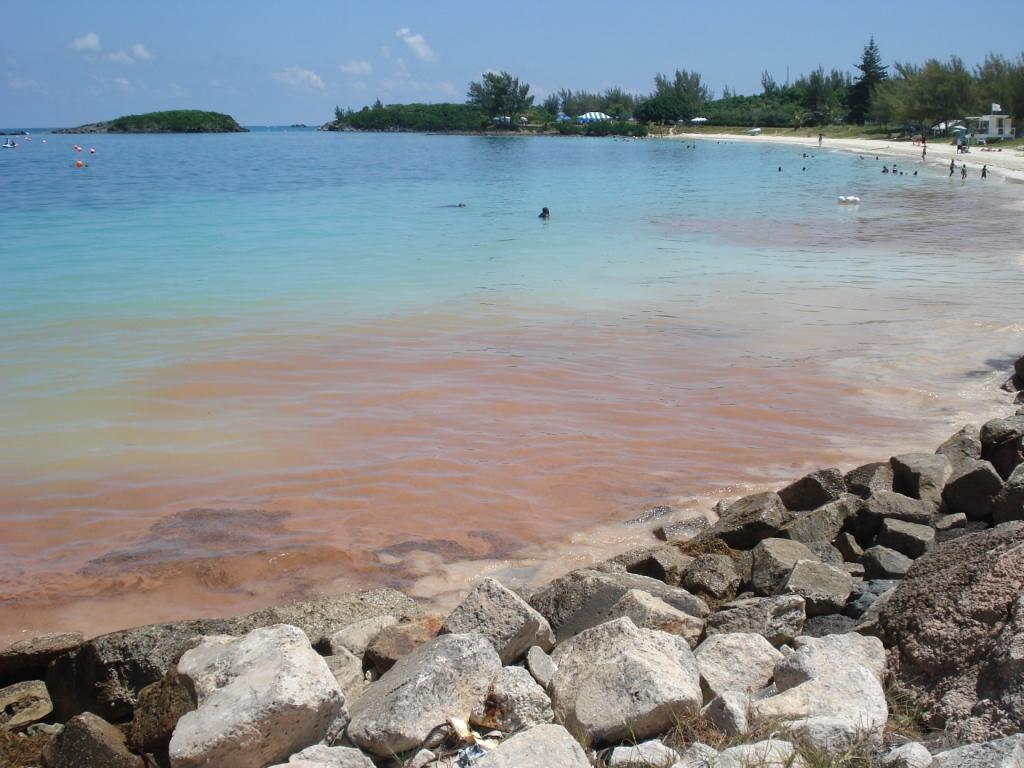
x=872 y=72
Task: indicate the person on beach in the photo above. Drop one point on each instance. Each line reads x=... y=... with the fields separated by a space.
x=544 y=213
x=821 y=137
x=984 y=171
x=952 y=166
x=963 y=172
x=924 y=148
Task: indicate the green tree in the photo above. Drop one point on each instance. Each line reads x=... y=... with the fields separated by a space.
x=872 y=73
x=680 y=98
x=500 y=94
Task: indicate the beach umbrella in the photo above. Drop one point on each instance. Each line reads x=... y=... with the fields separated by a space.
x=592 y=117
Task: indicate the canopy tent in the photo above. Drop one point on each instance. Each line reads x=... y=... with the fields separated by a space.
x=699 y=120
x=592 y=117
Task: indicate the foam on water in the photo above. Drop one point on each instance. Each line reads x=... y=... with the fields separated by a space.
x=371 y=386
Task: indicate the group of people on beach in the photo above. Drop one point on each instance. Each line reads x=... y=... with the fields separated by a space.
x=963 y=170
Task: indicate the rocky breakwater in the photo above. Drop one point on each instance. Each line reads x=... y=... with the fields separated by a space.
x=872 y=618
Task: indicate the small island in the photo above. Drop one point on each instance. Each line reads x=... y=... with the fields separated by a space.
x=173 y=121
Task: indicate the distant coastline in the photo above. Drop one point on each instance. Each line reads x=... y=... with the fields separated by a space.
x=174 y=121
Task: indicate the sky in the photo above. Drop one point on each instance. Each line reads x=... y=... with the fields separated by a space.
x=64 y=63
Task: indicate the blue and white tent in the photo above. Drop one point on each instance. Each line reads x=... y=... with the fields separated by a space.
x=592 y=117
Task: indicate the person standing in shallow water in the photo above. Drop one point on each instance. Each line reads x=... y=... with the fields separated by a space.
x=984 y=171
x=544 y=213
x=963 y=172
x=952 y=167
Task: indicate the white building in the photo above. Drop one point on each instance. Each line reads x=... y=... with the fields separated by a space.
x=991 y=127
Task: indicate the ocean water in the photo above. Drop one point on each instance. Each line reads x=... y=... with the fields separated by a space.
x=245 y=368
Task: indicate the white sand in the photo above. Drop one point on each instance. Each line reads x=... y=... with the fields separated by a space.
x=1009 y=162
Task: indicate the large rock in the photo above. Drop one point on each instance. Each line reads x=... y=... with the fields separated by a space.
x=921 y=476
x=750 y=519
x=260 y=698
x=513 y=702
x=681 y=530
x=1002 y=441
x=27 y=659
x=1001 y=753
x=728 y=713
x=616 y=681
x=503 y=617
x=869 y=479
x=543 y=746
x=962 y=448
x=865 y=523
x=956 y=626
x=779 y=619
x=829 y=692
x=105 y=674
x=584 y=598
x=972 y=489
x=540 y=665
x=649 y=612
x=773 y=559
x=822 y=525
x=884 y=563
x=665 y=563
x=399 y=640
x=824 y=588
x=712 y=576
x=24 y=703
x=737 y=662
x=910 y=755
x=910 y=539
x=357 y=636
x=320 y=756
x=772 y=753
x=443 y=679
x=157 y=712
x=347 y=669
x=649 y=754
x=1008 y=504
x=88 y=741
x=813 y=490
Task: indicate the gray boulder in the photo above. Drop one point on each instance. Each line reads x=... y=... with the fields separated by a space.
x=949 y=522
x=884 y=563
x=771 y=753
x=962 y=448
x=737 y=662
x=88 y=741
x=727 y=712
x=584 y=598
x=1008 y=504
x=1002 y=441
x=746 y=521
x=1001 y=753
x=616 y=681
x=779 y=619
x=503 y=617
x=260 y=698
x=813 y=490
x=443 y=679
x=712 y=576
x=399 y=640
x=869 y=479
x=513 y=702
x=649 y=754
x=865 y=523
x=320 y=756
x=910 y=755
x=773 y=559
x=824 y=524
x=347 y=669
x=910 y=539
x=543 y=746
x=681 y=530
x=27 y=659
x=665 y=563
x=921 y=476
x=649 y=612
x=849 y=548
x=356 y=637
x=23 y=704
x=540 y=666
x=972 y=489
x=824 y=588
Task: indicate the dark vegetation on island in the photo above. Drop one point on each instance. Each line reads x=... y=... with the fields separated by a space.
x=878 y=97
x=173 y=121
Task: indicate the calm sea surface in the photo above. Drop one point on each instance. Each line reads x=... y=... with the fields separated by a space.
x=246 y=368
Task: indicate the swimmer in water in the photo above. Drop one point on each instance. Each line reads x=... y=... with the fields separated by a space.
x=544 y=213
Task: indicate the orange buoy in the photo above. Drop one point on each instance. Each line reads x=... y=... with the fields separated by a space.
x=79 y=164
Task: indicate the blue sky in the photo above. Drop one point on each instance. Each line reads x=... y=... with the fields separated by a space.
x=66 y=63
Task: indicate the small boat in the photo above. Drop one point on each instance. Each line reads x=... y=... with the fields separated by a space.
x=9 y=144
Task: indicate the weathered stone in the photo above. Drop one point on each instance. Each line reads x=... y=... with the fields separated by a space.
x=540 y=665
x=616 y=681
x=513 y=702
x=699 y=756
x=910 y=755
x=779 y=619
x=649 y=754
x=1001 y=753
x=651 y=514
x=1002 y=441
x=88 y=741
x=824 y=588
x=105 y=674
x=260 y=698
x=921 y=476
x=665 y=563
x=649 y=612
x=749 y=520
x=681 y=530
x=356 y=637
x=972 y=489
x=813 y=490
x=1008 y=504
x=832 y=624
x=772 y=753
x=159 y=707
x=822 y=524
x=957 y=626
x=864 y=594
x=584 y=598
x=885 y=563
x=910 y=539
x=867 y=521
x=321 y=756
x=727 y=712
x=856 y=570
x=348 y=671
x=422 y=759
x=27 y=659
x=773 y=559
x=399 y=640
x=24 y=703
x=962 y=448
x=503 y=617
x=826 y=553
x=712 y=576
x=950 y=522
x=869 y=479
x=847 y=545
x=543 y=746
x=741 y=662
x=443 y=679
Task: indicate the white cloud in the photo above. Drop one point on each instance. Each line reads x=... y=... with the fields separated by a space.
x=417 y=44
x=139 y=52
x=357 y=67
x=297 y=77
x=120 y=57
x=87 y=42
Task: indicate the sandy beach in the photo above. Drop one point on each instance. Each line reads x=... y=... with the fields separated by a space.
x=1008 y=163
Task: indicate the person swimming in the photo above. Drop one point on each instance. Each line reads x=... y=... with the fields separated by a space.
x=544 y=213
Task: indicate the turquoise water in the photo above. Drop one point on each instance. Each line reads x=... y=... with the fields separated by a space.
x=306 y=321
